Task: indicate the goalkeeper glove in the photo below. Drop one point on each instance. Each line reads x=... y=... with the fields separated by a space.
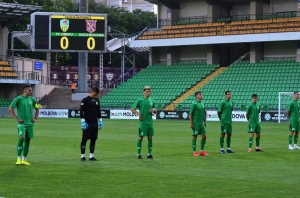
x=84 y=125
x=100 y=124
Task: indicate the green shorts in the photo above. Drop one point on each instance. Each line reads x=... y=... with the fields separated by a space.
x=198 y=130
x=146 y=130
x=294 y=126
x=226 y=128
x=25 y=130
x=254 y=128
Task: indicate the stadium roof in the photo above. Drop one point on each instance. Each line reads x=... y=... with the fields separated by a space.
x=225 y=3
x=11 y=12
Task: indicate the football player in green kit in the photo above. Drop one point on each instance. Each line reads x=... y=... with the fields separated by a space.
x=146 y=107
x=198 y=124
x=252 y=115
x=24 y=104
x=293 y=115
x=225 y=115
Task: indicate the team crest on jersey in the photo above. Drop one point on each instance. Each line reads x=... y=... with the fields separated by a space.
x=96 y=103
x=30 y=102
x=151 y=103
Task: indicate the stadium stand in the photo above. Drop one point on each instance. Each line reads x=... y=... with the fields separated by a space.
x=6 y=70
x=242 y=25
x=4 y=102
x=265 y=78
x=167 y=82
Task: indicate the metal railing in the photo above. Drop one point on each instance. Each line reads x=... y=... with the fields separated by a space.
x=205 y=19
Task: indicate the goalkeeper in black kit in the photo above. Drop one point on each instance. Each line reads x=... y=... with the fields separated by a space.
x=91 y=122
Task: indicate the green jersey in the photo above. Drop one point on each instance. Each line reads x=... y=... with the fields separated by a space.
x=198 y=112
x=225 y=108
x=24 y=106
x=253 y=111
x=294 y=109
x=144 y=105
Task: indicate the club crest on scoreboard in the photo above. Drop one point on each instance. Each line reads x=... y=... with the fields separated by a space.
x=91 y=25
x=64 y=25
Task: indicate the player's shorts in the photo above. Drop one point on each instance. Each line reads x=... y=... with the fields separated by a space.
x=254 y=128
x=226 y=128
x=91 y=132
x=198 y=130
x=294 y=126
x=146 y=130
x=25 y=130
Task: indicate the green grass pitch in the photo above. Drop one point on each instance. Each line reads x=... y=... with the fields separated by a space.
x=57 y=171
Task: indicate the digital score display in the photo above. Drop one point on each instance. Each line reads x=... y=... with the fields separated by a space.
x=77 y=33
x=69 y=32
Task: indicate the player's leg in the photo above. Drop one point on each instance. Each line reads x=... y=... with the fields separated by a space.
x=223 y=132
x=86 y=135
x=150 y=133
x=139 y=141
x=21 y=139
x=28 y=136
x=296 y=135
x=250 y=141
x=82 y=148
x=203 y=141
x=194 y=141
x=258 y=132
x=228 y=139
x=94 y=137
x=292 y=129
x=251 y=134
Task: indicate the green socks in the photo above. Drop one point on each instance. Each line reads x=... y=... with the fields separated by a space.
x=290 y=139
x=26 y=147
x=194 y=145
x=228 y=140
x=202 y=144
x=139 y=146
x=222 y=142
x=257 y=141
x=295 y=139
x=20 y=146
x=250 y=142
x=149 y=146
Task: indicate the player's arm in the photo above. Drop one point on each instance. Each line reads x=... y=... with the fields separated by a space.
x=133 y=110
x=204 y=119
x=37 y=111
x=289 y=110
x=248 y=112
x=12 y=112
x=100 y=123
x=191 y=116
x=220 y=110
x=84 y=125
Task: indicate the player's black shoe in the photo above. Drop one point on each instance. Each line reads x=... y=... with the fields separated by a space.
x=150 y=156
x=258 y=150
x=140 y=157
x=83 y=159
x=93 y=159
x=222 y=152
x=229 y=151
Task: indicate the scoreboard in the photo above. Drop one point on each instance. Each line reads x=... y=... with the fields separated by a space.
x=68 y=32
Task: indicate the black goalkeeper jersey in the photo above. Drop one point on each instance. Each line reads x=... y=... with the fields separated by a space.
x=90 y=109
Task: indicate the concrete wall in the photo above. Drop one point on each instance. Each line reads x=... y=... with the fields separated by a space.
x=266 y=8
x=162 y=11
x=240 y=10
x=188 y=9
x=280 y=49
x=283 y=5
x=3 y=42
x=162 y=54
x=195 y=52
x=27 y=65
